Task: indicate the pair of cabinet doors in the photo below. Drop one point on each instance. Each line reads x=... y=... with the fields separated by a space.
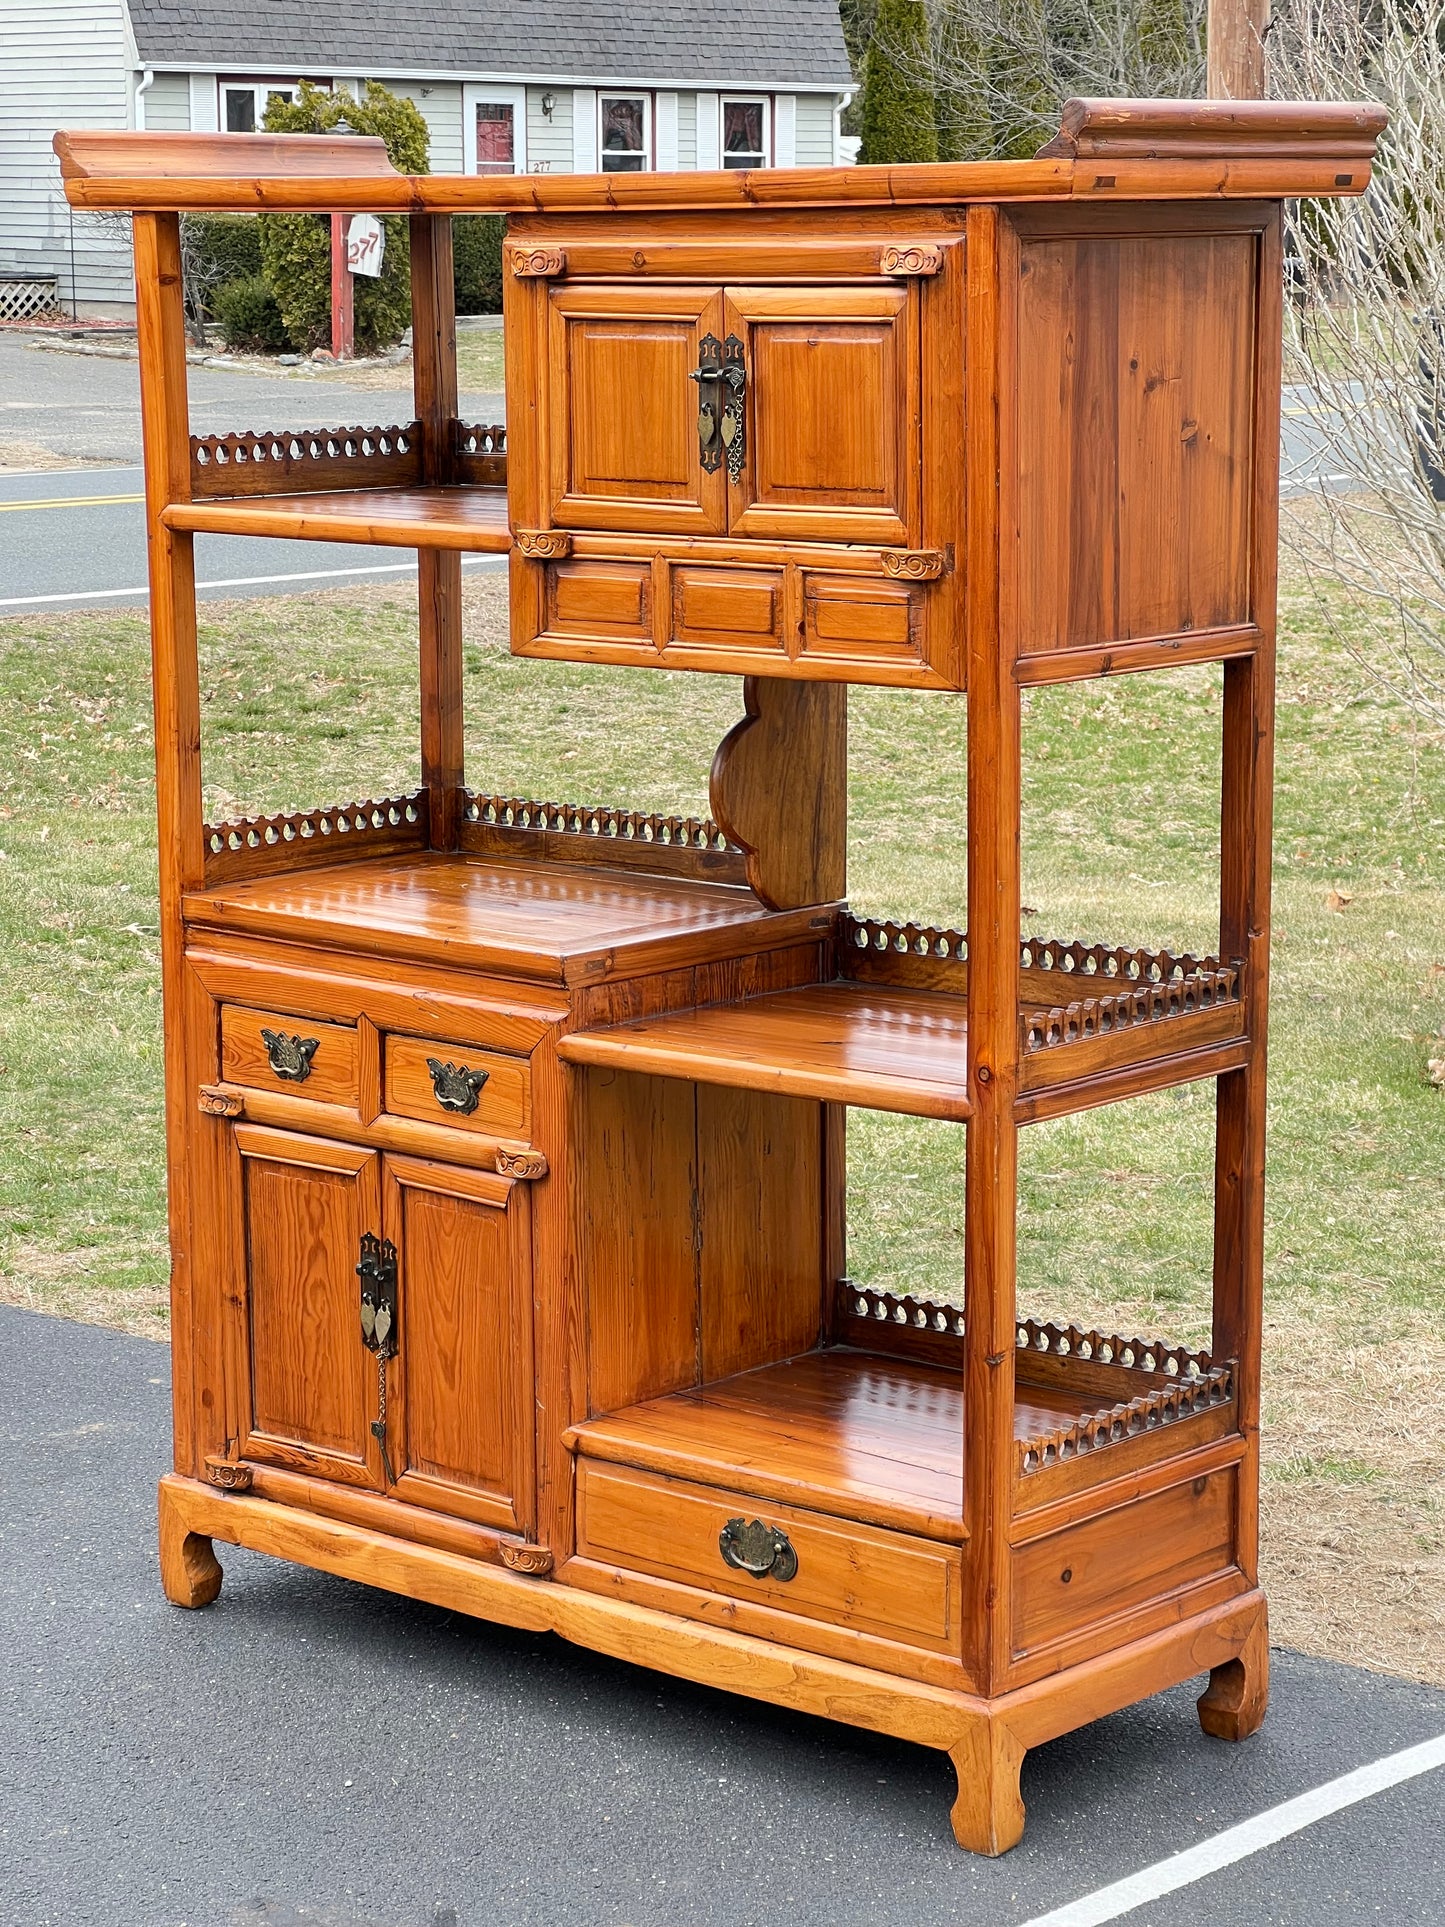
x=780 y=414
x=305 y=1391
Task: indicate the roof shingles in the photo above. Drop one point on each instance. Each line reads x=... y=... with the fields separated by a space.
x=715 y=43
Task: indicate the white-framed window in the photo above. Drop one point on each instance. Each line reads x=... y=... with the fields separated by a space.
x=243 y=103
x=624 y=133
x=494 y=129
x=747 y=130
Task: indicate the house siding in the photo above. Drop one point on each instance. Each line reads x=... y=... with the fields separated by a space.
x=166 y=105
x=814 y=135
x=68 y=63
x=687 y=130
x=440 y=105
x=549 y=139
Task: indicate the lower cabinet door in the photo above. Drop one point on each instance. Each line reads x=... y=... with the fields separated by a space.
x=461 y=1426
x=307 y=1383
x=452 y=1379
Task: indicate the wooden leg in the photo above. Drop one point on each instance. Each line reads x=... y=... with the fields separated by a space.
x=1233 y=1705
x=988 y=1815
x=190 y=1570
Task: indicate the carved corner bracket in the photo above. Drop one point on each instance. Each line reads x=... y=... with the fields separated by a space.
x=914 y=565
x=214 y=1100
x=542 y=545
x=540 y=264
x=521 y=1163
x=910 y=259
x=535 y=1562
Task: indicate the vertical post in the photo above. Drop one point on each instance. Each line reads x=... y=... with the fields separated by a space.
x=994 y=782
x=439 y=571
x=165 y=439
x=1236 y=31
x=1246 y=835
x=343 y=293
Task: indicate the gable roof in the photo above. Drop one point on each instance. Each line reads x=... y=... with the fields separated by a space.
x=717 y=43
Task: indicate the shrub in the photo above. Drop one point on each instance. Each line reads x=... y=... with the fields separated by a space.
x=296 y=248
x=898 y=122
x=219 y=249
x=477 y=262
x=249 y=315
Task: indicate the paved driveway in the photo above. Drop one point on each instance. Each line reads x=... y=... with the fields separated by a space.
x=75 y=538
x=308 y=1751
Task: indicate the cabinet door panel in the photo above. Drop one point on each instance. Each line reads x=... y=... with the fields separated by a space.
x=309 y=1386
x=833 y=441
x=623 y=413
x=464 y=1362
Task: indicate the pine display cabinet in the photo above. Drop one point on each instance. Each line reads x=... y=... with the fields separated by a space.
x=506 y=1138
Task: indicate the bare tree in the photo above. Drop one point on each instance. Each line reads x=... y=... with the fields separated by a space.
x=1365 y=339
x=1001 y=69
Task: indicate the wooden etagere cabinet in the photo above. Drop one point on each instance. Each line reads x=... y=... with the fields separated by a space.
x=507 y=1136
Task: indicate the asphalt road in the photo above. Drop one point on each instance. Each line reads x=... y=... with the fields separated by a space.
x=75 y=538
x=309 y=1751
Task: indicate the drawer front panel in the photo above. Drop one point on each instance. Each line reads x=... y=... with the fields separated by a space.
x=855 y=619
x=271 y=1050
x=1105 y=1565
x=728 y=608
x=608 y=599
x=857 y=1576
x=499 y=1088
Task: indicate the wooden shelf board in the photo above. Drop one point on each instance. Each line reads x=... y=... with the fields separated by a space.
x=867 y=1044
x=850 y=1433
x=406 y=518
x=562 y=923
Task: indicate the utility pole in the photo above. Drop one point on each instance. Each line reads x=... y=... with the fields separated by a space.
x=1236 y=49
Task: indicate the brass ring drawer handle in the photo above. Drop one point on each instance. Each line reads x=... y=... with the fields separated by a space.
x=289 y=1057
x=766 y=1552
x=457 y=1088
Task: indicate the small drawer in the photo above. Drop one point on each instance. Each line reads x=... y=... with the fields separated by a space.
x=270 y=1050
x=478 y=1090
x=863 y=1577
x=728 y=609
x=855 y=619
x=609 y=600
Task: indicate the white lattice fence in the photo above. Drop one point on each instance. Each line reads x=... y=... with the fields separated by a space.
x=21 y=299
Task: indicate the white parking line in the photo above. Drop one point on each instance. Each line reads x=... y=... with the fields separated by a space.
x=228 y=582
x=1237 y=1843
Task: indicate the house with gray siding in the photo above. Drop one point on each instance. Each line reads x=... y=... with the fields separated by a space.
x=506 y=86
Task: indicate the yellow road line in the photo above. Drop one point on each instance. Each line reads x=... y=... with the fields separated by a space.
x=68 y=502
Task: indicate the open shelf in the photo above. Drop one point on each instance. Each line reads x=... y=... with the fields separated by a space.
x=847 y=1043
x=873 y=1429
x=407 y=518
x=558 y=922
x=890 y=1031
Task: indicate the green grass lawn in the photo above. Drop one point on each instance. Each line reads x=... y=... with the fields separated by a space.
x=312 y=699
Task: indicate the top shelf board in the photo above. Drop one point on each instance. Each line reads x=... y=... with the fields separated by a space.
x=473 y=519
x=1104 y=150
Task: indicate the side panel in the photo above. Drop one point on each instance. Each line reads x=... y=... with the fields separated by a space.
x=1134 y=424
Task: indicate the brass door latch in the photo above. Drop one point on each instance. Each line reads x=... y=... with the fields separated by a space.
x=376 y=1268
x=722 y=379
x=708 y=376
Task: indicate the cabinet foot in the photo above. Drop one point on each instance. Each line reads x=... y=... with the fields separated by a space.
x=988 y=1815
x=1233 y=1705
x=190 y=1570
